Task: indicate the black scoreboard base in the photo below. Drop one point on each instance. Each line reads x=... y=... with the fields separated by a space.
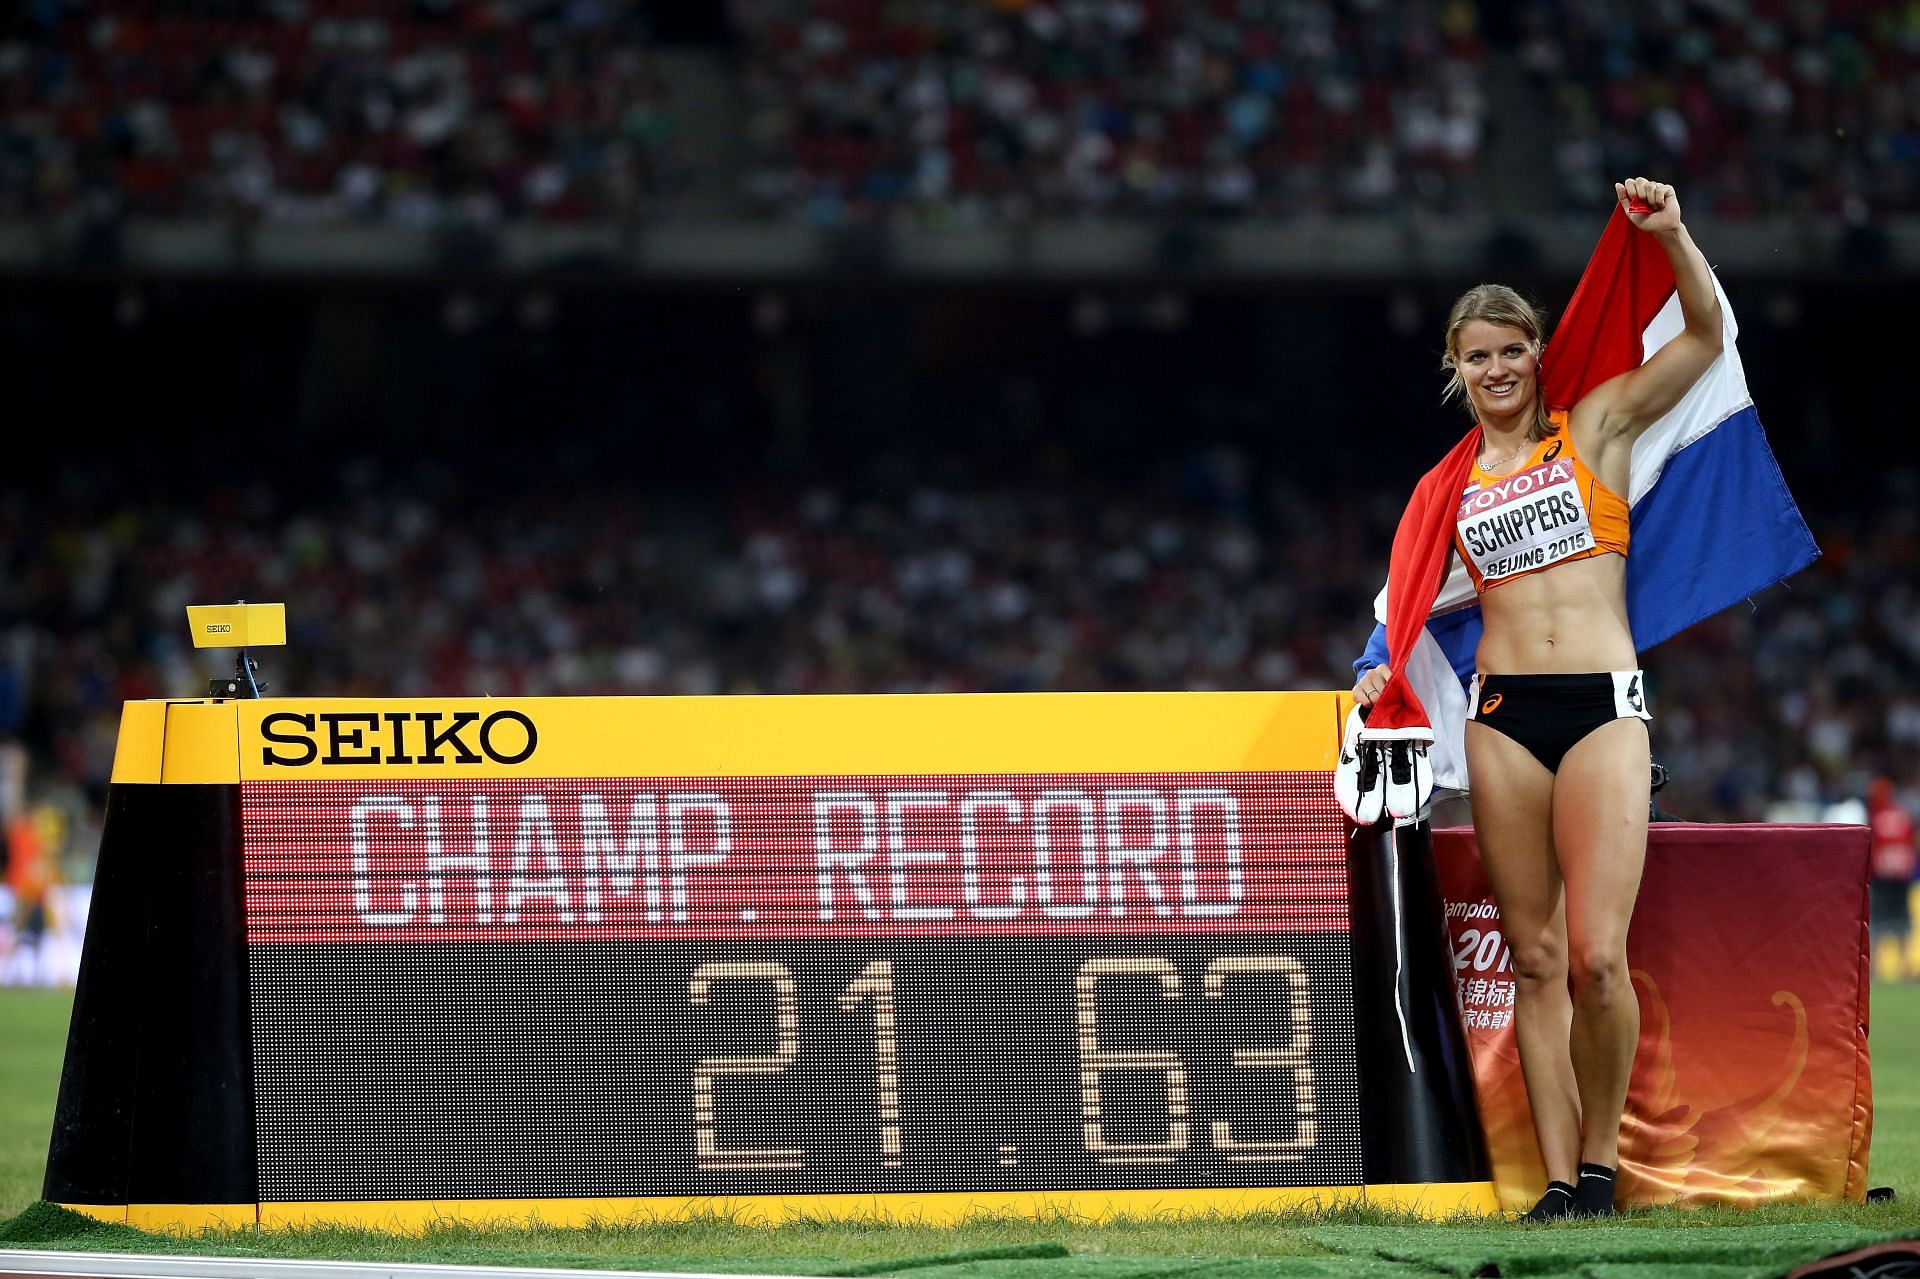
x=292 y=1012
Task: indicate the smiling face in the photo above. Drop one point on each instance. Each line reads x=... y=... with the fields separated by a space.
x=1499 y=368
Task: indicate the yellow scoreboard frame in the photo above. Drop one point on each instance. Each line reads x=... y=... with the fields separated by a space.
x=176 y=1109
x=232 y=741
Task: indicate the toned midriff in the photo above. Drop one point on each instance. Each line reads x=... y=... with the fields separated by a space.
x=1563 y=620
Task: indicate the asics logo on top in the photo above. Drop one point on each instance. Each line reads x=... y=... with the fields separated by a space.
x=1552 y=452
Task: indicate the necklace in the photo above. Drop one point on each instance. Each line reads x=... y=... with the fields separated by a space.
x=1502 y=461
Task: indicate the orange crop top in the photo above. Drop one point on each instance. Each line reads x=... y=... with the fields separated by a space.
x=1548 y=512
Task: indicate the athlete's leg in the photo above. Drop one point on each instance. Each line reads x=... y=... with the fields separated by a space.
x=1600 y=831
x=1513 y=819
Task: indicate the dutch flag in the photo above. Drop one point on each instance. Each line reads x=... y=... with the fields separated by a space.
x=1712 y=523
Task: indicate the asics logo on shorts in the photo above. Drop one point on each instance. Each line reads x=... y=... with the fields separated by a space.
x=1492 y=704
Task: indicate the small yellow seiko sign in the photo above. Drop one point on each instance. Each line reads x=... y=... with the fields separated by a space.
x=237 y=625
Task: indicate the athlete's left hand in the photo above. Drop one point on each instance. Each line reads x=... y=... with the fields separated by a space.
x=1663 y=205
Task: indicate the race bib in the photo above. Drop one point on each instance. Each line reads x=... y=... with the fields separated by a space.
x=1524 y=521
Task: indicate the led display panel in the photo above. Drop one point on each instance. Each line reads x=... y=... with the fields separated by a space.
x=497 y=987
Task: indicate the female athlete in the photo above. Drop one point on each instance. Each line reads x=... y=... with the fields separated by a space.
x=1556 y=739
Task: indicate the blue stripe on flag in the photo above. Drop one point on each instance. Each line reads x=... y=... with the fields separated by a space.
x=1718 y=526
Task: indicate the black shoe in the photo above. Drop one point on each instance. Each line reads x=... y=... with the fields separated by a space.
x=1593 y=1197
x=1555 y=1204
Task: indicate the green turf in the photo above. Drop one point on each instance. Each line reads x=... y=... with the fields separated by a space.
x=1712 y=1243
x=1895 y=1043
x=1281 y=1247
x=33 y=1036
x=1476 y=1250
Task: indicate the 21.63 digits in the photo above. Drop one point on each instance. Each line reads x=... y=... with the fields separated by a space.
x=1165 y=1059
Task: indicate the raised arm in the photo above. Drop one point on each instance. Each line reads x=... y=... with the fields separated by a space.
x=1623 y=407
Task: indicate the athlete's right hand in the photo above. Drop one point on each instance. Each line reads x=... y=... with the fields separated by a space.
x=1370 y=685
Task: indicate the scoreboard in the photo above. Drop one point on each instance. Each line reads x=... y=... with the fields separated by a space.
x=914 y=956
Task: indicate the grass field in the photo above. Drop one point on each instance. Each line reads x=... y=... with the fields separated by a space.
x=1697 y=1244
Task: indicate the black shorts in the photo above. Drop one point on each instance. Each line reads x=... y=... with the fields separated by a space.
x=1550 y=714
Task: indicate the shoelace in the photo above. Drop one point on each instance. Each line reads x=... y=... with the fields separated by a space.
x=1399 y=956
x=1369 y=766
x=1400 y=763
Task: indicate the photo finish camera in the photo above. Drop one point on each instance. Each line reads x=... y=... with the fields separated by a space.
x=240 y=625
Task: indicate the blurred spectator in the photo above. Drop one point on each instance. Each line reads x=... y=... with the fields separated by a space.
x=1893 y=867
x=30 y=837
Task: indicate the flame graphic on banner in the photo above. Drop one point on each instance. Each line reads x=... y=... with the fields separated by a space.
x=1751 y=1079
x=1506 y=1116
x=1672 y=1151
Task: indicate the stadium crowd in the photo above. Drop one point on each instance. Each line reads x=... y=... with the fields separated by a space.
x=425 y=111
x=1803 y=107
x=978 y=112
x=1212 y=583
x=324 y=110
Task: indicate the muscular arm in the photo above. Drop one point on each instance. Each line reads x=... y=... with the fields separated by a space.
x=1621 y=408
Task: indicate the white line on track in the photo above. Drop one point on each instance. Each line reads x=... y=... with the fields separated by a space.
x=21 y=1264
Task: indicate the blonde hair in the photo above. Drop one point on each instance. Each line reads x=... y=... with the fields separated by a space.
x=1496 y=304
